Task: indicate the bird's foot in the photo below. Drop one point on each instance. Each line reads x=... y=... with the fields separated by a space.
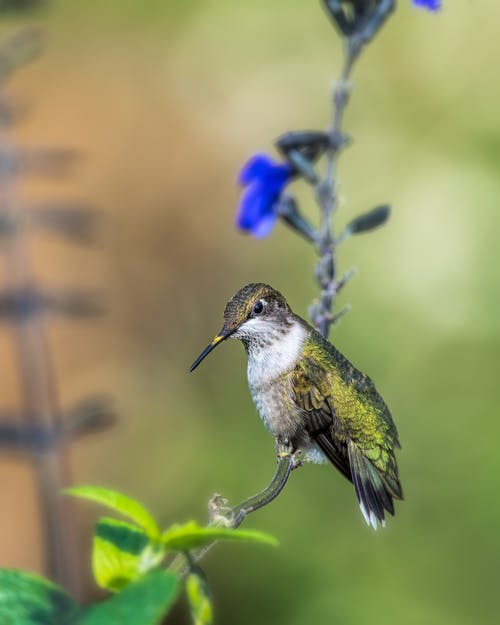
x=297 y=458
x=285 y=449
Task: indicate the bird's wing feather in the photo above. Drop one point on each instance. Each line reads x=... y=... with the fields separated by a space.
x=320 y=422
x=351 y=424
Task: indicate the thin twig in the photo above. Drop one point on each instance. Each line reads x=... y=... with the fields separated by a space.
x=221 y=514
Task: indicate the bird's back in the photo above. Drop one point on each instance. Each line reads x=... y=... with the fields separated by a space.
x=350 y=423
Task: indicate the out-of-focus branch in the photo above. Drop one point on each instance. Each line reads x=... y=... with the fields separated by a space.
x=40 y=430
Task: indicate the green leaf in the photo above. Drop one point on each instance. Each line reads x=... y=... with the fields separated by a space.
x=191 y=535
x=27 y=599
x=369 y=221
x=119 y=503
x=143 y=602
x=122 y=553
x=198 y=594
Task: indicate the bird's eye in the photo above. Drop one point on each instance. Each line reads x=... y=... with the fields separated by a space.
x=258 y=307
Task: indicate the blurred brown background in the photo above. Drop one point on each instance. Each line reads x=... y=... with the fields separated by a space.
x=165 y=101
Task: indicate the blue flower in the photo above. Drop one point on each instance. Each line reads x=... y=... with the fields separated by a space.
x=432 y=5
x=264 y=180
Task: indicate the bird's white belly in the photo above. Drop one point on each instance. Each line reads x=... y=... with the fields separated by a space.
x=283 y=420
x=273 y=403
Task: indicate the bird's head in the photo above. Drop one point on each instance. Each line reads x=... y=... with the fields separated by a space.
x=256 y=314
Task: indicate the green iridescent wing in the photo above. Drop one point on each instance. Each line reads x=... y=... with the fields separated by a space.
x=351 y=424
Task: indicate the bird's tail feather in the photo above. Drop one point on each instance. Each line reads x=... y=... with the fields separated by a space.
x=375 y=493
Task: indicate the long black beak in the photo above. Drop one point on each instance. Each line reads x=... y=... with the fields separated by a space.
x=223 y=334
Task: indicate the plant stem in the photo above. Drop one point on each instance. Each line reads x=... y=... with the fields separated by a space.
x=221 y=514
x=327 y=199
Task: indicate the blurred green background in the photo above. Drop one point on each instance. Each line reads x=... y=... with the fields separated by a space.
x=166 y=100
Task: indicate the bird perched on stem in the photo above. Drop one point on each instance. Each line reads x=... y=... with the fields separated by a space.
x=312 y=399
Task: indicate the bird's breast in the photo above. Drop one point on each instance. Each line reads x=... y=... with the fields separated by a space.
x=269 y=381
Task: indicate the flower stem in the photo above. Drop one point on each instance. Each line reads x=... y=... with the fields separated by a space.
x=327 y=199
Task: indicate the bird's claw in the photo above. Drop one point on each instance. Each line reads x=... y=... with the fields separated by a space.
x=285 y=449
x=297 y=458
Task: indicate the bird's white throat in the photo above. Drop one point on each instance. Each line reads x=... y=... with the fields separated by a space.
x=276 y=353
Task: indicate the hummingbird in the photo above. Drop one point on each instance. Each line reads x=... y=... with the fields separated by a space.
x=312 y=399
